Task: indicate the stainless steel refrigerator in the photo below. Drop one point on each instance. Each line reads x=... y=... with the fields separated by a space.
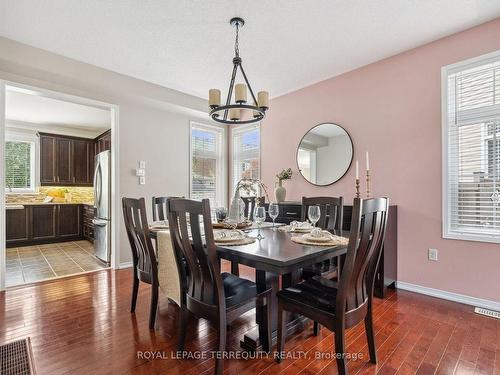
x=102 y=199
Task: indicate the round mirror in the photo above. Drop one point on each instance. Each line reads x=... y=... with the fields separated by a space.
x=324 y=154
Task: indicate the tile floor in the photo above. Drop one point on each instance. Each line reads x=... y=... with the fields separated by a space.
x=35 y=263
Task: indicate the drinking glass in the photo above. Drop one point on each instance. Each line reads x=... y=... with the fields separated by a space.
x=259 y=216
x=274 y=211
x=314 y=214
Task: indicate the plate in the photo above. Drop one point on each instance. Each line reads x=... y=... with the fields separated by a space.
x=228 y=236
x=302 y=229
x=308 y=237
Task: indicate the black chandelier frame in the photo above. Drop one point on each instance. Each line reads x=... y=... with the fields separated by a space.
x=216 y=110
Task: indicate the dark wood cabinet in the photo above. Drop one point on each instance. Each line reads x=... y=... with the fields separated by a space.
x=66 y=161
x=103 y=142
x=88 y=225
x=48 y=160
x=43 y=222
x=17 y=225
x=69 y=221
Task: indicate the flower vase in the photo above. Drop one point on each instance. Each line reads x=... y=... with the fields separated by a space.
x=280 y=192
x=236 y=211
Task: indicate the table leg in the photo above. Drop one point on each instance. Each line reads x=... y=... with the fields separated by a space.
x=251 y=340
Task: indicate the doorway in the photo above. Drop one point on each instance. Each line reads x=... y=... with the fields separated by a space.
x=58 y=150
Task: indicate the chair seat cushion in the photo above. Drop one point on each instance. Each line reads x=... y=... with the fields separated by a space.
x=317 y=293
x=237 y=290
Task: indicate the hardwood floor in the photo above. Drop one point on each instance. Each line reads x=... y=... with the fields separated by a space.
x=82 y=325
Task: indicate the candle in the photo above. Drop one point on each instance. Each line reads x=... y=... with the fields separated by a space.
x=240 y=93
x=214 y=97
x=357 y=170
x=263 y=99
x=234 y=114
x=367 y=161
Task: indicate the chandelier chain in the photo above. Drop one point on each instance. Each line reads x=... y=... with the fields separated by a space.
x=236 y=42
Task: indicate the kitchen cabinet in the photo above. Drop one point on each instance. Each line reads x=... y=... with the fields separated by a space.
x=103 y=142
x=88 y=225
x=66 y=161
x=69 y=221
x=17 y=225
x=44 y=223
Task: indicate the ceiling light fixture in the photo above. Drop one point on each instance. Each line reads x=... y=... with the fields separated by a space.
x=240 y=112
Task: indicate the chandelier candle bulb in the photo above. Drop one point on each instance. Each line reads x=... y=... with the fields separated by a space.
x=234 y=114
x=263 y=99
x=214 y=98
x=240 y=93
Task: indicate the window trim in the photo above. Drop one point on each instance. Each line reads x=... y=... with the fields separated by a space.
x=447 y=232
x=236 y=130
x=11 y=136
x=222 y=160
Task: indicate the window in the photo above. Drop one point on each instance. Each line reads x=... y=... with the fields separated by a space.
x=19 y=165
x=208 y=176
x=246 y=153
x=471 y=149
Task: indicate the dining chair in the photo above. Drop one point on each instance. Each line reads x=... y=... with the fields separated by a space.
x=331 y=219
x=250 y=204
x=342 y=305
x=206 y=293
x=159 y=204
x=145 y=265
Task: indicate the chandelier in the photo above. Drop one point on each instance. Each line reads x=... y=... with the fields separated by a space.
x=240 y=112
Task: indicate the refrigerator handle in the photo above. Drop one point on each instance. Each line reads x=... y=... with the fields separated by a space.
x=95 y=183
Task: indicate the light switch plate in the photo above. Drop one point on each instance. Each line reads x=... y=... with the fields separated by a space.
x=142 y=164
x=433 y=254
x=142 y=180
x=140 y=172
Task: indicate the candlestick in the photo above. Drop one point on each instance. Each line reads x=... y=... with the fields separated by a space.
x=358 y=195
x=367 y=161
x=357 y=170
x=368 y=192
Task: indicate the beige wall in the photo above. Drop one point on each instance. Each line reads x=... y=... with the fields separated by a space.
x=153 y=120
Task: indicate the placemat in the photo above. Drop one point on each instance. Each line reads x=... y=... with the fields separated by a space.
x=243 y=241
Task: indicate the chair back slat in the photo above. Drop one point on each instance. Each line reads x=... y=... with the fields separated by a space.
x=136 y=224
x=160 y=208
x=250 y=204
x=331 y=209
x=204 y=276
x=369 y=222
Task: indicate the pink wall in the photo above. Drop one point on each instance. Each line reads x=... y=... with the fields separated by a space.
x=392 y=108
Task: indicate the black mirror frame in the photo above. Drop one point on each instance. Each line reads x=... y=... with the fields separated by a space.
x=350 y=162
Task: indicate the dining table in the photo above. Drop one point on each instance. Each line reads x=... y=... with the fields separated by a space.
x=278 y=262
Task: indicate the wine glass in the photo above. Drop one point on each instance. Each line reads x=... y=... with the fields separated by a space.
x=274 y=211
x=314 y=214
x=259 y=216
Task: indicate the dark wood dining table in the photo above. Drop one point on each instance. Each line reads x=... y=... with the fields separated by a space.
x=275 y=256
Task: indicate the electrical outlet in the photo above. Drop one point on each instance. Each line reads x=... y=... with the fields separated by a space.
x=433 y=254
x=142 y=180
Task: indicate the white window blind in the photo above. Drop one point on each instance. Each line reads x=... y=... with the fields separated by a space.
x=207 y=164
x=246 y=152
x=472 y=150
x=19 y=165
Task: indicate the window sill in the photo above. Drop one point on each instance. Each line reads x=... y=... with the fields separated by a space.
x=463 y=236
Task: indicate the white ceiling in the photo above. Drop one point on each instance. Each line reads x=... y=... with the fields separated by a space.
x=188 y=45
x=328 y=130
x=25 y=107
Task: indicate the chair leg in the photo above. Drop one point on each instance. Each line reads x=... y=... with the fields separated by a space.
x=154 y=306
x=265 y=331
x=135 y=290
x=221 y=346
x=316 y=328
x=370 y=337
x=184 y=316
x=340 y=349
x=281 y=333
x=235 y=270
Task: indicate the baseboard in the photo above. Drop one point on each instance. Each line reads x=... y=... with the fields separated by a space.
x=125 y=265
x=455 y=297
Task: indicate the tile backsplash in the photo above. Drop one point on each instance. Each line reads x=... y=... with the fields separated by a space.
x=60 y=194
